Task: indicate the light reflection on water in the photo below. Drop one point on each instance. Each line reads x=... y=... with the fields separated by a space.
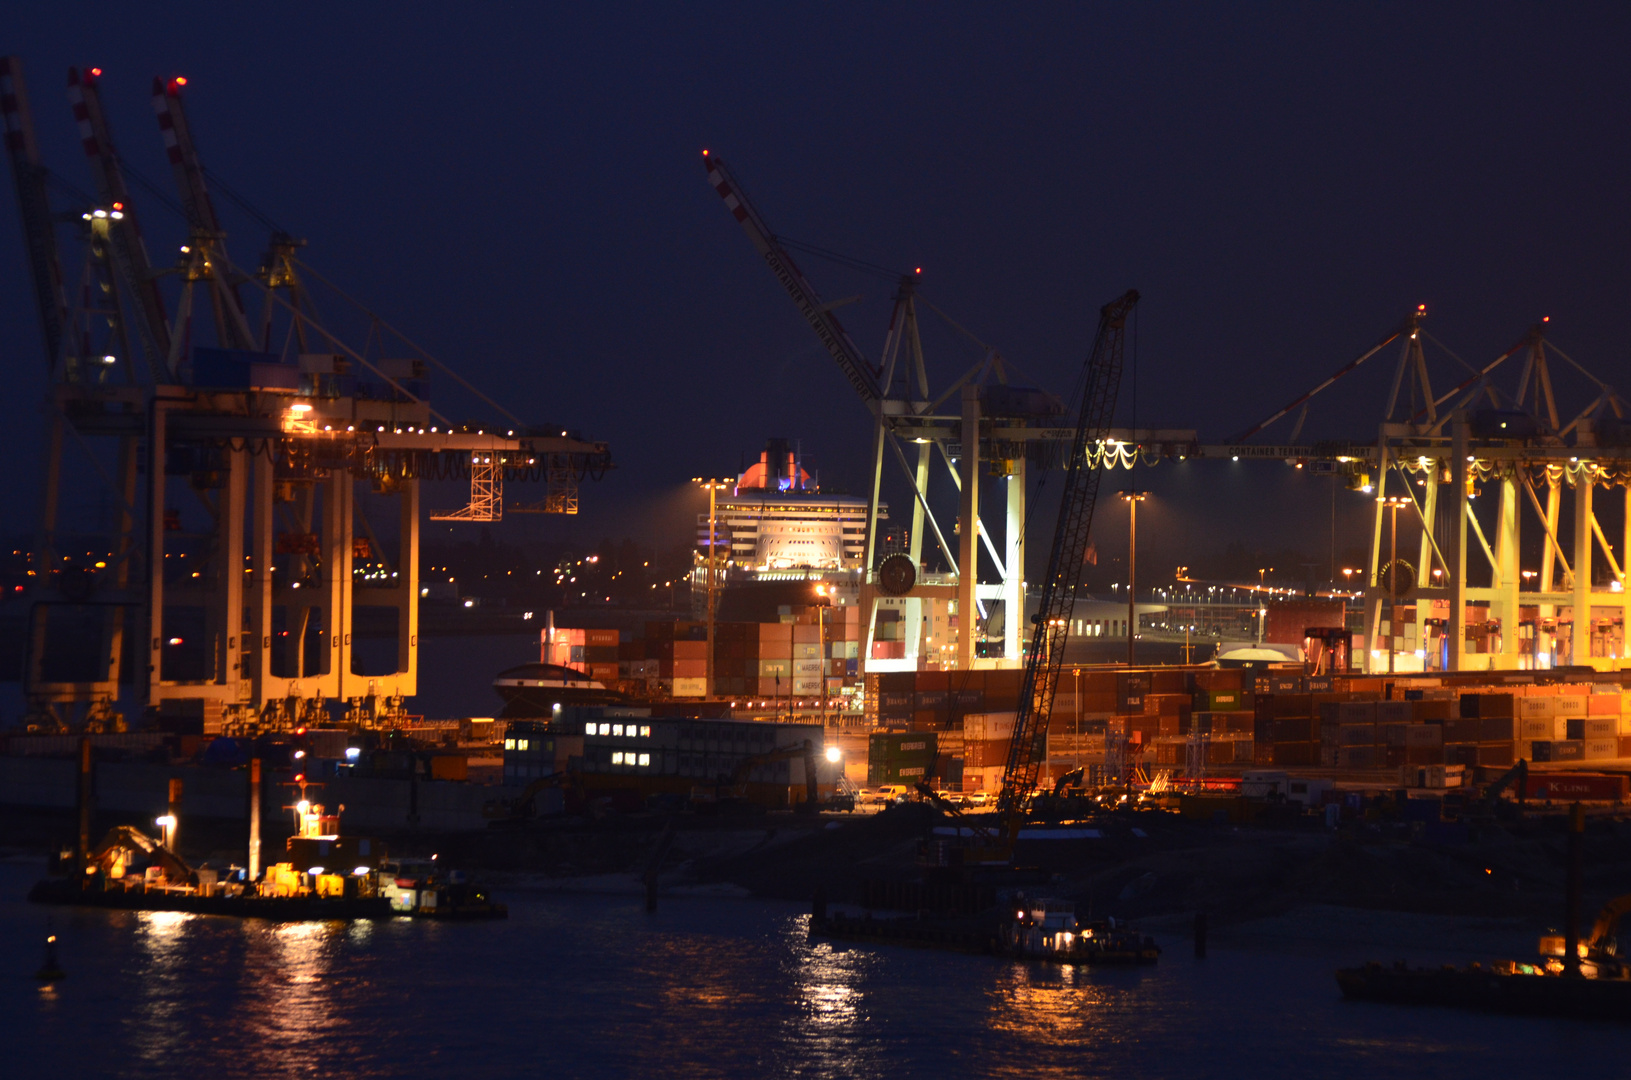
x=595 y=987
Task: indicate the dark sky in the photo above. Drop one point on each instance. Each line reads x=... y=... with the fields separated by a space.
x=520 y=188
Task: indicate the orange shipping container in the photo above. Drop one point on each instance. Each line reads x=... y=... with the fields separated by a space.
x=1603 y=705
x=449 y=767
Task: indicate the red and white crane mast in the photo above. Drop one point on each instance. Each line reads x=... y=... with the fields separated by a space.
x=860 y=373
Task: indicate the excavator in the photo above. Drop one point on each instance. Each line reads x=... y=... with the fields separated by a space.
x=125 y=844
x=1599 y=953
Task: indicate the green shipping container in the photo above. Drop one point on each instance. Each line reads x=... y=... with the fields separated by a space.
x=900 y=757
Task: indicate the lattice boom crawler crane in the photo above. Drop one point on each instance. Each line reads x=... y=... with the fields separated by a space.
x=1051 y=627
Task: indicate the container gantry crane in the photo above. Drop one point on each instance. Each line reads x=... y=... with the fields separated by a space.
x=243 y=612
x=982 y=427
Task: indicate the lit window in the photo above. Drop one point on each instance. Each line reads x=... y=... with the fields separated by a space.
x=617 y=757
x=521 y=744
x=645 y=760
x=645 y=731
x=617 y=729
x=509 y=744
x=605 y=729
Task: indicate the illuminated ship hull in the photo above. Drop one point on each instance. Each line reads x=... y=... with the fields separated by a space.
x=533 y=690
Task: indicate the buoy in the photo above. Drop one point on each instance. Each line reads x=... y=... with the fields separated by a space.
x=50 y=971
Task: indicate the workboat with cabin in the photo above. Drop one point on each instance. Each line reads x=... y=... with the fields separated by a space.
x=1040 y=928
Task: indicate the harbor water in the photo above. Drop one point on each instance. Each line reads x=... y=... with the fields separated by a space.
x=578 y=985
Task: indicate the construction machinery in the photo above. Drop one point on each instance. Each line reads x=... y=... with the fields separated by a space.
x=207 y=544
x=1599 y=953
x=1051 y=624
x=126 y=845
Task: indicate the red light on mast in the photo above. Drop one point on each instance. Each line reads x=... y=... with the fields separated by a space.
x=181 y=80
x=96 y=73
x=118 y=206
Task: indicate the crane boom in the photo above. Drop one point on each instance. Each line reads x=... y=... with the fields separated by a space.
x=129 y=253
x=857 y=370
x=231 y=324
x=38 y=234
x=1052 y=623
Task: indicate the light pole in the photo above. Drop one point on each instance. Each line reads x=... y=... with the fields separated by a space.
x=823 y=602
x=1132 y=499
x=714 y=487
x=1393 y=502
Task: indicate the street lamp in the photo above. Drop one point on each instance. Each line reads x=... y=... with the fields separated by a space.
x=1132 y=499
x=824 y=595
x=1393 y=502
x=713 y=487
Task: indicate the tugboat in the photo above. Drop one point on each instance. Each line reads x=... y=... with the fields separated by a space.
x=1038 y=929
x=416 y=887
x=1048 y=929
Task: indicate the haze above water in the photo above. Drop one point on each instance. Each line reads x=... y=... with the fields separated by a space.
x=592 y=986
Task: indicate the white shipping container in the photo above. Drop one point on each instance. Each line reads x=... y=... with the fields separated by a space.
x=1602 y=727
x=1569 y=705
x=1537 y=708
x=982 y=726
x=1599 y=749
x=690 y=687
x=1547 y=728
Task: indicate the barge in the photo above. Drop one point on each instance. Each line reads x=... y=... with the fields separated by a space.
x=324 y=875
x=1505 y=986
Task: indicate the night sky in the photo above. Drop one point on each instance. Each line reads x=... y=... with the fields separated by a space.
x=520 y=188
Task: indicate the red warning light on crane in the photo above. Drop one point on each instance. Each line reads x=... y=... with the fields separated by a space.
x=917 y=269
x=118 y=206
x=705 y=153
x=96 y=73
x=181 y=80
x=1545 y=318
